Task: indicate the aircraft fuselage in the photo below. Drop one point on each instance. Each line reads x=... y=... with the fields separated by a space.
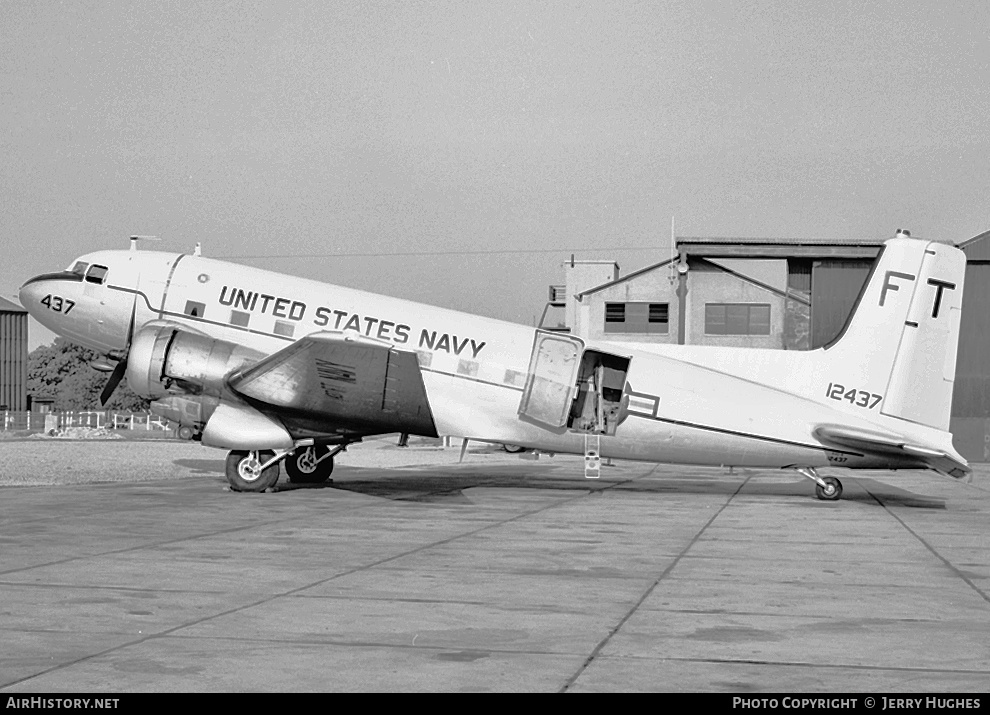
x=478 y=371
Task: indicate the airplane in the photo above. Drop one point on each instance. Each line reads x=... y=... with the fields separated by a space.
x=284 y=371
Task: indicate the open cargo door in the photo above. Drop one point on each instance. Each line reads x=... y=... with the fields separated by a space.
x=553 y=370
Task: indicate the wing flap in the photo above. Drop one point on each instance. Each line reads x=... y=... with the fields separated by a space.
x=889 y=444
x=334 y=383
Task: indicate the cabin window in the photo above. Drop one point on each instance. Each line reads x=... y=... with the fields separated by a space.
x=284 y=329
x=80 y=268
x=637 y=317
x=194 y=309
x=239 y=318
x=425 y=358
x=515 y=377
x=467 y=367
x=737 y=319
x=96 y=274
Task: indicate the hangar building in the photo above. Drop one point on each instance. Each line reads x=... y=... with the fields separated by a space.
x=13 y=356
x=789 y=294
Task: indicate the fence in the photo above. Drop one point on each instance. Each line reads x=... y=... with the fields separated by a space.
x=35 y=420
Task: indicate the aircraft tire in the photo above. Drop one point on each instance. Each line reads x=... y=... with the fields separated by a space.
x=513 y=448
x=826 y=494
x=302 y=468
x=244 y=473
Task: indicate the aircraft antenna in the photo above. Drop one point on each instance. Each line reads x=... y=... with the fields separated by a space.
x=198 y=250
x=135 y=239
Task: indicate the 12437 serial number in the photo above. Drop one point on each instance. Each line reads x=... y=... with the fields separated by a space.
x=859 y=398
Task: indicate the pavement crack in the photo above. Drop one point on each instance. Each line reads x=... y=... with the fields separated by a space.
x=969 y=582
x=292 y=591
x=646 y=594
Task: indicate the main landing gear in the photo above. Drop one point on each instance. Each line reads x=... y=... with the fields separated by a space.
x=826 y=488
x=252 y=471
x=310 y=465
x=256 y=471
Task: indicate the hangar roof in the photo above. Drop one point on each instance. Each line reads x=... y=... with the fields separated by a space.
x=778 y=247
x=8 y=307
x=976 y=248
x=723 y=247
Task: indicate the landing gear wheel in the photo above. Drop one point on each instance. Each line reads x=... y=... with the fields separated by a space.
x=307 y=466
x=245 y=474
x=831 y=491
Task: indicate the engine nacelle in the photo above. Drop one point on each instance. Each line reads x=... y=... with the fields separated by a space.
x=166 y=358
x=240 y=426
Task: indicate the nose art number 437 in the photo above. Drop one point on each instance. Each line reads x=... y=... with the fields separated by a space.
x=58 y=303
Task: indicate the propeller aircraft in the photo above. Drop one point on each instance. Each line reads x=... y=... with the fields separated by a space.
x=284 y=371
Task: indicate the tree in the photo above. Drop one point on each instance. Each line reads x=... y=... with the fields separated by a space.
x=62 y=372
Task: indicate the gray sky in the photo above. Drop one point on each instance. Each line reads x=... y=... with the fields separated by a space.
x=447 y=129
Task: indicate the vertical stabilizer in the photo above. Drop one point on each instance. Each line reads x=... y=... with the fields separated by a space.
x=897 y=352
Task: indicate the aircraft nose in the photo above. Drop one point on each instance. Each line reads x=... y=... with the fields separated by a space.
x=31 y=294
x=47 y=297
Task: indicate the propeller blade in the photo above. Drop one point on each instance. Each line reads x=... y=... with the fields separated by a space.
x=130 y=329
x=115 y=377
x=118 y=372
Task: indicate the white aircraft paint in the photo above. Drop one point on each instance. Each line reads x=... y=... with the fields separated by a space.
x=878 y=397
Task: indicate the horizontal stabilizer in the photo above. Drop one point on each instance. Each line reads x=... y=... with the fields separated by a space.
x=888 y=444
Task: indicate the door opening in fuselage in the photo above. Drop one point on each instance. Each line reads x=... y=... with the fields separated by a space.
x=597 y=404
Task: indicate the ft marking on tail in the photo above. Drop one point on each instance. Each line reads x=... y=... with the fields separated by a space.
x=940 y=285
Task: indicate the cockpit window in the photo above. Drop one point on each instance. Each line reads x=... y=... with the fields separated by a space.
x=96 y=274
x=80 y=268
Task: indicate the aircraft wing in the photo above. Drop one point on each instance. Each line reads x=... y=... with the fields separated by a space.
x=890 y=444
x=328 y=383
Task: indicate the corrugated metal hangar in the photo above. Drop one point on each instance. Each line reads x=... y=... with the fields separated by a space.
x=790 y=294
x=13 y=356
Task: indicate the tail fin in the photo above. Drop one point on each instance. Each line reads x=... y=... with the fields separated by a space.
x=898 y=348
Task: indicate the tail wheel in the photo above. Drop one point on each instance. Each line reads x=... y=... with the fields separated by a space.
x=309 y=465
x=831 y=491
x=245 y=474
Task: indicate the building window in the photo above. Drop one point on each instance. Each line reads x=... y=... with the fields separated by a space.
x=637 y=318
x=737 y=319
x=614 y=313
x=284 y=329
x=239 y=318
x=195 y=309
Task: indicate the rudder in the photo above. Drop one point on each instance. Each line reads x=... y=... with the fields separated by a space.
x=921 y=380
